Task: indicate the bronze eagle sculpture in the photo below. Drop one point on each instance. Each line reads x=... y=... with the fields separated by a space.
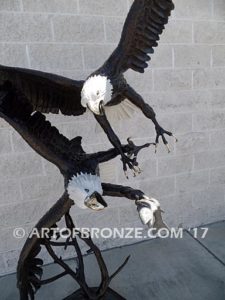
x=106 y=88
x=83 y=186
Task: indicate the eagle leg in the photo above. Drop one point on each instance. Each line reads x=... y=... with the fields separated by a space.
x=148 y=111
x=148 y=208
x=130 y=149
x=161 y=132
x=126 y=161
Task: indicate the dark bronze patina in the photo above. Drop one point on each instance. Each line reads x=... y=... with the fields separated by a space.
x=26 y=94
x=51 y=93
x=71 y=159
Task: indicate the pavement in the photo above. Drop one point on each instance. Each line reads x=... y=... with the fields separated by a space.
x=188 y=268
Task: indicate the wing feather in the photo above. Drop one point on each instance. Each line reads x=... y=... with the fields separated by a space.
x=144 y=25
x=44 y=138
x=47 y=93
x=29 y=269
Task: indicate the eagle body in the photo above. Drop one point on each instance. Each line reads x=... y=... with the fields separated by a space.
x=105 y=92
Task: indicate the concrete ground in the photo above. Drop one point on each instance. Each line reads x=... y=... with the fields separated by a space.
x=160 y=269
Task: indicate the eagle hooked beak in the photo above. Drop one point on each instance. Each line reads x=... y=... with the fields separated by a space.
x=95 y=202
x=97 y=109
x=101 y=108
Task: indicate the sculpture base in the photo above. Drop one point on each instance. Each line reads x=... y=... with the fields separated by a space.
x=110 y=295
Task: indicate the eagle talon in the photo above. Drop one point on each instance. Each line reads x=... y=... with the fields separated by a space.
x=176 y=139
x=137 y=170
x=161 y=132
x=168 y=148
x=130 y=159
x=126 y=174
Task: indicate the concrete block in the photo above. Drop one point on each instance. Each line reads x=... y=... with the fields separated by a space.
x=217 y=139
x=10 y=192
x=213 y=35
x=76 y=74
x=10 y=242
x=10 y=5
x=128 y=128
x=19 y=145
x=96 y=55
x=158 y=187
x=47 y=187
x=175 y=210
x=192 y=56
x=19 y=214
x=177 y=32
x=192 y=182
x=51 y=6
x=209 y=159
x=178 y=123
x=202 y=121
x=142 y=83
x=25 y=28
x=55 y=56
x=219 y=10
x=162 y=58
x=175 y=165
x=205 y=199
x=201 y=9
x=209 y=78
x=113 y=29
x=217 y=176
x=218 y=54
x=170 y=80
x=103 y=7
x=4 y=124
x=50 y=169
x=180 y=101
x=78 y=29
x=5 y=146
x=217 y=99
x=192 y=143
x=20 y=165
x=206 y=121
x=13 y=55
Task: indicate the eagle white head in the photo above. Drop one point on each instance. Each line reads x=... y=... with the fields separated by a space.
x=97 y=91
x=86 y=191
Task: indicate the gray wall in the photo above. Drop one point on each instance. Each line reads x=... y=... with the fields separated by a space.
x=185 y=85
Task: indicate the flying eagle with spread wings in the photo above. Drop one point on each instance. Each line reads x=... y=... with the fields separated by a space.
x=83 y=186
x=80 y=170
x=106 y=89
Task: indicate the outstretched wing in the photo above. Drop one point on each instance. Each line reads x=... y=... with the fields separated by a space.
x=47 y=93
x=144 y=24
x=29 y=268
x=44 y=138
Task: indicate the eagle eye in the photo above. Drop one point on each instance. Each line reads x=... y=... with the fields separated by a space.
x=97 y=93
x=87 y=190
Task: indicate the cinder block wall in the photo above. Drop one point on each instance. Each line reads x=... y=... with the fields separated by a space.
x=185 y=85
